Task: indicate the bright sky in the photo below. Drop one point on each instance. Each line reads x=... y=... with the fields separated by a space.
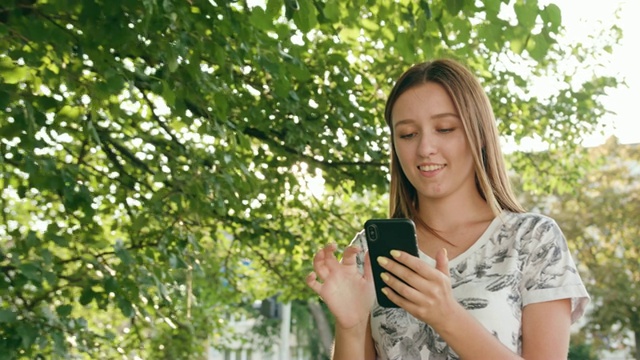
x=587 y=17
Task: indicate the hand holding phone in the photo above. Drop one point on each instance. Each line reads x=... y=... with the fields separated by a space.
x=384 y=235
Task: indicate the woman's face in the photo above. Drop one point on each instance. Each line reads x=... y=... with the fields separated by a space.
x=431 y=144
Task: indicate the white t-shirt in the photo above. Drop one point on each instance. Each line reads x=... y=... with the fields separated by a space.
x=520 y=259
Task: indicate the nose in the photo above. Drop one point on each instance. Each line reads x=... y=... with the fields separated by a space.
x=427 y=145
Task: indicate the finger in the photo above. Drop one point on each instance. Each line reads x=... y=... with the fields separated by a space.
x=368 y=273
x=394 y=272
x=349 y=255
x=414 y=276
x=393 y=296
x=409 y=264
x=312 y=282
x=442 y=261
x=397 y=291
x=397 y=268
x=325 y=254
x=318 y=258
x=320 y=264
x=329 y=254
x=405 y=258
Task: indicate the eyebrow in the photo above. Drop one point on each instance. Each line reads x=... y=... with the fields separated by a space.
x=437 y=116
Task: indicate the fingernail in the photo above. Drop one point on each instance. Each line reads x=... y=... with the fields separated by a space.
x=384 y=291
x=382 y=260
x=384 y=276
x=395 y=253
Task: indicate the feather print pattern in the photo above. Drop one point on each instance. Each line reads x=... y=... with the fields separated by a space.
x=520 y=259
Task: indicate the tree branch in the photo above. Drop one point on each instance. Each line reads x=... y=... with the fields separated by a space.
x=161 y=123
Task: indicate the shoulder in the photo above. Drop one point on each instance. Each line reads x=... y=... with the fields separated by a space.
x=531 y=229
x=527 y=218
x=359 y=240
x=528 y=222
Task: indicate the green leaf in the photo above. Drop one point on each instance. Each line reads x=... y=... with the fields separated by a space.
x=332 y=10
x=50 y=277
x=4 y=99
x=64 y=310
x=7 y=316
x=31 y=272
x=31 y=240
x=273 y=8
x=124 y=256
x=220 y=105
x=517 y=45
x=177 y=262
x=125 y=306
x=454 y=6
x=403 y=45
x=28 y=333
x=492 y=7
x=492 y=36
x=71 y=113
x=59 y=345
x=57 y=239
x=10 y=73
x=172 y=63
x=526 y=12
x=259 y=19
x=552 y=16
x=306 y=17
x=86 y=296
x=538 y=47
x=111 y=284
x=44 y=103
x=168 y=95
x=426 y=9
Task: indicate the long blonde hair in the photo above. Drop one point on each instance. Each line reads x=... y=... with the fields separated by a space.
x=479 y=124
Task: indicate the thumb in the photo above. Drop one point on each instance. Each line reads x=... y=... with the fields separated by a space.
x=442 y=261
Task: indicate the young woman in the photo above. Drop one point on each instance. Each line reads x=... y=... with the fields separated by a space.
x=492 y=281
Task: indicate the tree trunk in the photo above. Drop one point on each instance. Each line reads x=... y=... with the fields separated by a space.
x=322 y=323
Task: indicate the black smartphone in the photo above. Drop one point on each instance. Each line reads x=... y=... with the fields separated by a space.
x=384 y=235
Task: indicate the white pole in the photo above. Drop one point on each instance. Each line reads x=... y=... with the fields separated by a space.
x=285 y=331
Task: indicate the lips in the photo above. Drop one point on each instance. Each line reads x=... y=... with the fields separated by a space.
x=431 y=167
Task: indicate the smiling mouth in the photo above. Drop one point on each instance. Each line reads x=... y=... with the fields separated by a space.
x=430 y=167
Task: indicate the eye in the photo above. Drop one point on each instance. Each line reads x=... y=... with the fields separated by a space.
x=445 y=131
x=407 y=136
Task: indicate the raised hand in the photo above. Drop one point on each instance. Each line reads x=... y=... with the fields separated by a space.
x=348 y=293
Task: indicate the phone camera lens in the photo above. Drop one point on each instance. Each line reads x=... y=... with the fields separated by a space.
x=373 y=232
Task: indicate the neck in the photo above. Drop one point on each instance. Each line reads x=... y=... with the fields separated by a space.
x=450 y=213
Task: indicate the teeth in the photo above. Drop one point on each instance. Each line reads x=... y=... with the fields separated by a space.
x=430 y=167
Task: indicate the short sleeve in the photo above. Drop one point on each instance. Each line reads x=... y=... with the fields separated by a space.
x=360 y=241
x=549 y=272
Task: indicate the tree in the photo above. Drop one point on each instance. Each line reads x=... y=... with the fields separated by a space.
x=160 y=160
x=600 y=221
